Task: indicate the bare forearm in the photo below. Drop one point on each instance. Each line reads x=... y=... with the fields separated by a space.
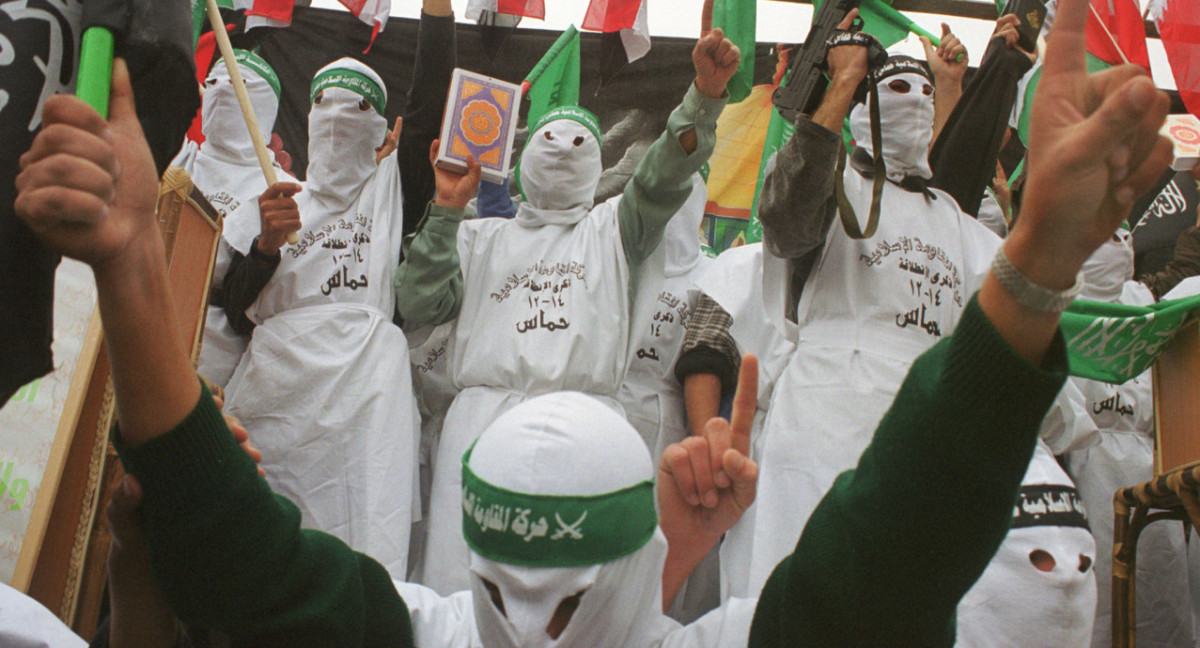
x=836 y=104
x=702 y=397
x=682 y=560
x=155 y=383
x=140 y=616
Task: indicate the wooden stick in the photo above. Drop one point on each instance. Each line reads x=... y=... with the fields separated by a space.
x=1102 y=26
x=239 y=87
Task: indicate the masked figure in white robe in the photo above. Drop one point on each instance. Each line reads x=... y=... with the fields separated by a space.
x=325 y=387
x=558 y=510
x=226 y=170
x=859 y=310
x=1040 y=588
x=543 y=301
x=650 y=395
x=1124 y=457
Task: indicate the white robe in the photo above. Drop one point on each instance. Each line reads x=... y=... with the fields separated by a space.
x=545 y=308
x=868 y=309
x=325 y=388
x=734 y=282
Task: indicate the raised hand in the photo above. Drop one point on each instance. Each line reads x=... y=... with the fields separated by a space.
x=454 y=189
x=279 y=215
x=706 y=483
x=87 y=186
x=716 y=59
x=948 y=61
x=1006 y=28
x=390 y=141
x=1094 y=148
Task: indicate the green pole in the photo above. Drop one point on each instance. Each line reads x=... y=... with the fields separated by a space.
x=95 y=68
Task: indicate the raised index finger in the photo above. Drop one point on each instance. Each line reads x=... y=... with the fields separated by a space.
x=1065 y=43
x=745 y=404
x=706 y=18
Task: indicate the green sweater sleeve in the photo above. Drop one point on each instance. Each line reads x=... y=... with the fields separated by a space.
x=429 y=282
x=229 y=554
x=663 y=179
x=896 y=543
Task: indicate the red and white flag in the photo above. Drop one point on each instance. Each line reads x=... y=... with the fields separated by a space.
x=1179 y=27
x=627 y=17
x=1116 y=33
x=526 y=8
x=278 y=13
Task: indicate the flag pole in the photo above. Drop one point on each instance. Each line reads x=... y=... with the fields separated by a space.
x=1108 y=33
x=239 y=87
x=544 y=63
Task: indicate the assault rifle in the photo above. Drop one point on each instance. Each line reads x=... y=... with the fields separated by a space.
x=804 y=85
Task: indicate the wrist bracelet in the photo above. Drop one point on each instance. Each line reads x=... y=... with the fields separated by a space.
x=1029 y=294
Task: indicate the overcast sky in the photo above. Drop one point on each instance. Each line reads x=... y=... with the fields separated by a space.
x=777 y=22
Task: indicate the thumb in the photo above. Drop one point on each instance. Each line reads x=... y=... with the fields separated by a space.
x=122 y=113
x=945 y=30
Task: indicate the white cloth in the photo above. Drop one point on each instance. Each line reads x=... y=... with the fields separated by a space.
x=733 y=282
x=992 y=215
x=868 y=309
x=650 y=395
x=545 y=307
x=906 y=122
x=1016 y=603
x=225 y=169
x=325 y=388
x=25 y=623
x=564 y=444
x=433 y=386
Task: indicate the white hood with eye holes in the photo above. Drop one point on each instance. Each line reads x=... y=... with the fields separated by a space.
x=563 y=445
x=560 y=170
x=906 y=125
x=1039 y=590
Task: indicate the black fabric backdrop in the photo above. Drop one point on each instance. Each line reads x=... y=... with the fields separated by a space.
x=1160 y=218
x=633 y=108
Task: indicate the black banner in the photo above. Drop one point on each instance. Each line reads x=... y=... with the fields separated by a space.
x=633 y=108
x=1160 y=223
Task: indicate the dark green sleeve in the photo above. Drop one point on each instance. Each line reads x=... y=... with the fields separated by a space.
x=229 y=554
x=662 y=181
x=895 y=543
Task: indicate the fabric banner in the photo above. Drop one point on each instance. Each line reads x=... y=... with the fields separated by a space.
x=1114 y=343
x=554 y=81
x=1116 y=32
x=737 y=18
x=1158 y=226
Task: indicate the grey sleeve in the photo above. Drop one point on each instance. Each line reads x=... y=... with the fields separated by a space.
x=797 y=204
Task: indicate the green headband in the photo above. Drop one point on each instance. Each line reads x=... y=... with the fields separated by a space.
x=260 y=67
x=350 y=80
x=574 y=113
x=555 y=530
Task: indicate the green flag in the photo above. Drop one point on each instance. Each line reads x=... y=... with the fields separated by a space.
x=554 y=81
x=1115 y=342
x=200 y=16
x=737 y=18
